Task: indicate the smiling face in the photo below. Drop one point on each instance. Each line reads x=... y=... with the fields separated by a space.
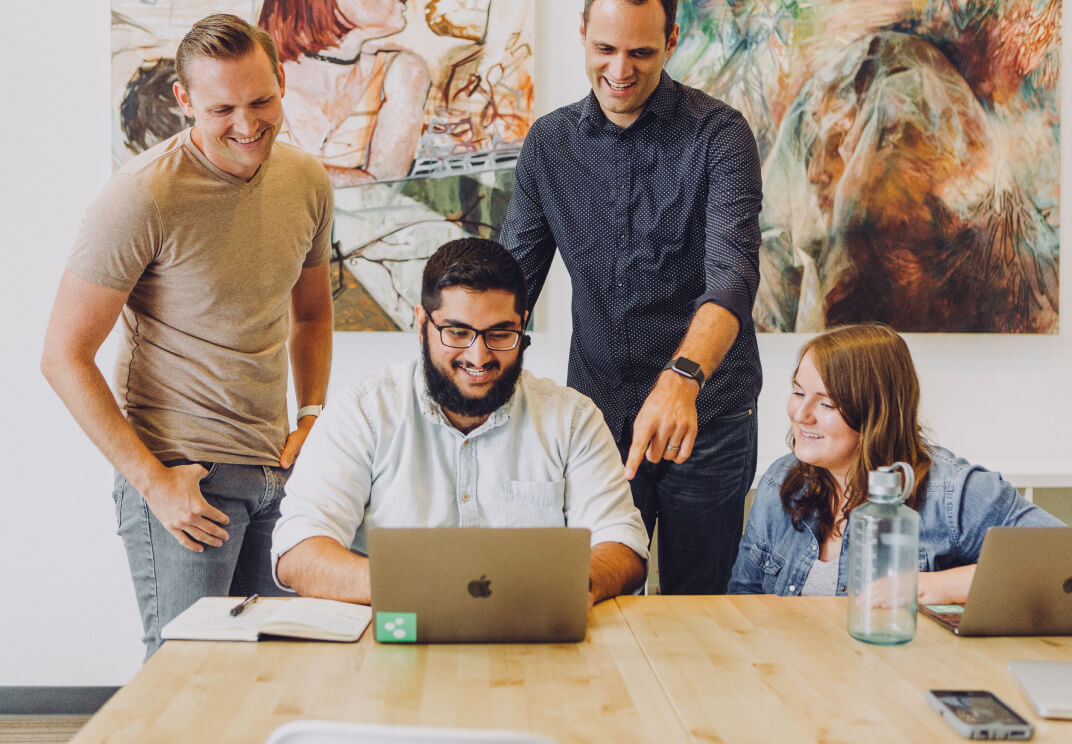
x=820 y=435
x=625 y=49
x=237 y=108
x=470 y=383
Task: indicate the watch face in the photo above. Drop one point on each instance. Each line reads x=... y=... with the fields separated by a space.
x=689 y=367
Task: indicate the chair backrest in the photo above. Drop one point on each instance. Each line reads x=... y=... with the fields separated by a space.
x=345 y=732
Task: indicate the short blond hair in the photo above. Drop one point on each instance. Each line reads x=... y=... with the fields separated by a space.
x=222 y=36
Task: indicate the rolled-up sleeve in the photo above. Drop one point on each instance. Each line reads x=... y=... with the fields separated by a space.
x=732 y=234
x=597 y=495
x=329 y=490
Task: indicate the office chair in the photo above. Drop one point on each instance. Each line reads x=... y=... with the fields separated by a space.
x=346 y=732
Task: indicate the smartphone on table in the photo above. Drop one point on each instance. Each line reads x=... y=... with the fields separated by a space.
x=979 y=714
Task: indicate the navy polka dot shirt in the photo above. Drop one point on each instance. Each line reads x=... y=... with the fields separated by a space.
x=652 y=221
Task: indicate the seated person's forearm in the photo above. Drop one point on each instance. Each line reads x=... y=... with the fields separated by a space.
x=942 y=587
x=321 y=567
x=615 y=569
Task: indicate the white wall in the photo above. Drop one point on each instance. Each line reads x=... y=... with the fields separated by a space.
x=68 y=614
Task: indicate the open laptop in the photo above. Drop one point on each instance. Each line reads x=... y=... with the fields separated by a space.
x=465 y=584
x=1022 y=586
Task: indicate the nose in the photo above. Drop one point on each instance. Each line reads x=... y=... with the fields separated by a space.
x=478 y=354
x=818 y=173
x=245 y=123
x=620 y=68
x=801 y=411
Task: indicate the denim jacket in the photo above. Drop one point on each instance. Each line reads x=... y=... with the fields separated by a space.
x=960 y=502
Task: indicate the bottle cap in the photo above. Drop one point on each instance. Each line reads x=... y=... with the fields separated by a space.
x=886 y=484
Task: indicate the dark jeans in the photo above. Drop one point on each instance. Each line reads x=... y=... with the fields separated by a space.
x=699 y=504
x=168 y=578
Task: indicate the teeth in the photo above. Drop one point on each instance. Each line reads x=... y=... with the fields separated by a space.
x=247 y=140
x=618 y=86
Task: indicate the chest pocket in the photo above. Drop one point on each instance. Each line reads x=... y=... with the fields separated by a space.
x=531 y=504
x=769 y=563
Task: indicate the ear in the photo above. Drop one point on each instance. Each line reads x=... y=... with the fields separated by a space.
x=525 y=320
x=581 y=27
x=183 y=99
x=671 y=43
x=283 y=80
x=419 y=318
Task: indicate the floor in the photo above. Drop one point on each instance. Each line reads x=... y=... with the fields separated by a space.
x=40 y=729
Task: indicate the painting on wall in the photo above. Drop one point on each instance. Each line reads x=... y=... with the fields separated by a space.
x=416 y=108
x=911 y=155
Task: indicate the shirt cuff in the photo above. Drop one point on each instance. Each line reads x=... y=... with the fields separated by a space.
x=741 y=307
x=626 y=535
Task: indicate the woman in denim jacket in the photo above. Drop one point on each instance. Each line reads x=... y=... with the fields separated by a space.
x=854 y=407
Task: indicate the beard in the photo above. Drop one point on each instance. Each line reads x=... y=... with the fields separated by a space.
x=444 y=392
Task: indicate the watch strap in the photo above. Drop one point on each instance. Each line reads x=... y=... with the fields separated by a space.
x=698 y=375
x=308 y=411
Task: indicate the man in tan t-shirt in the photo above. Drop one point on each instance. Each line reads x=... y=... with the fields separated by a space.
x=211 y=248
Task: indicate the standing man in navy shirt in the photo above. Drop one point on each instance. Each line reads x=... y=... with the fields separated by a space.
x=651 y=192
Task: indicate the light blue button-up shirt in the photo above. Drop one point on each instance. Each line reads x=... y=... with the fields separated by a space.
x=961 y=502
x=383 y=454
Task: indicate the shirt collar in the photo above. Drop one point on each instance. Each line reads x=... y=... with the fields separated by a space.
x=662 y=100
x=434 y=412
x=659 y=104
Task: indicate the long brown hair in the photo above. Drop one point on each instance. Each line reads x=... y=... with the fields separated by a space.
x=868 y=373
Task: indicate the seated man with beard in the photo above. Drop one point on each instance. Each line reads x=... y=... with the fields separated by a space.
x=459 y=438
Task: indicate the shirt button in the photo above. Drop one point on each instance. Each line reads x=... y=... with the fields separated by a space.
x=465 y=443
x=842 y=587
x=792 y=587
x=813 y=547
x=465 y=497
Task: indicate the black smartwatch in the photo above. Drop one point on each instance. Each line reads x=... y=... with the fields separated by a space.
x=687 y=368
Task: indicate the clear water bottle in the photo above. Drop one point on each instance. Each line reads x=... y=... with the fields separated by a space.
x=884 y=559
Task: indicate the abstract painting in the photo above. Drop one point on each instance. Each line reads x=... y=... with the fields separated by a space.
x=416 y=108
x=911 y=155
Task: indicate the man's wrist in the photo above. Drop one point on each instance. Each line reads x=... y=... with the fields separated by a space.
x=147 y=476
x=679 y=382
x=310 y=410
x=688 y=369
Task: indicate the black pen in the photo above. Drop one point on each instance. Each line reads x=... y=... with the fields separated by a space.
x=238 y=608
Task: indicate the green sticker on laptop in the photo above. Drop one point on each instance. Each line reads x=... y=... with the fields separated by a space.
x=396 y=627
x=954 y=608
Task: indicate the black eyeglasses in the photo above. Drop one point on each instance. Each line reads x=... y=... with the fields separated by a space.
x=496 y=339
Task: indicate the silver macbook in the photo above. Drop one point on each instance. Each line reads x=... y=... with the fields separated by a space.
x=464 y=584
x=1022 y=586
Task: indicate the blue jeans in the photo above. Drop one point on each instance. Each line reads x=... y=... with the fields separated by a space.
x=168 y=578
x=699 y=504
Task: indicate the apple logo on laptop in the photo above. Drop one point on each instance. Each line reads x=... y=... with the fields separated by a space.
x=1068 y=585
x=480 y=587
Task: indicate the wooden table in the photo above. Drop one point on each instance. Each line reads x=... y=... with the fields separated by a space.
x=774 y=669
x=652 y=669
x=596 y=691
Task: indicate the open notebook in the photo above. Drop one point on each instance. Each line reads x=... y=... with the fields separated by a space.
x=209 y=619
